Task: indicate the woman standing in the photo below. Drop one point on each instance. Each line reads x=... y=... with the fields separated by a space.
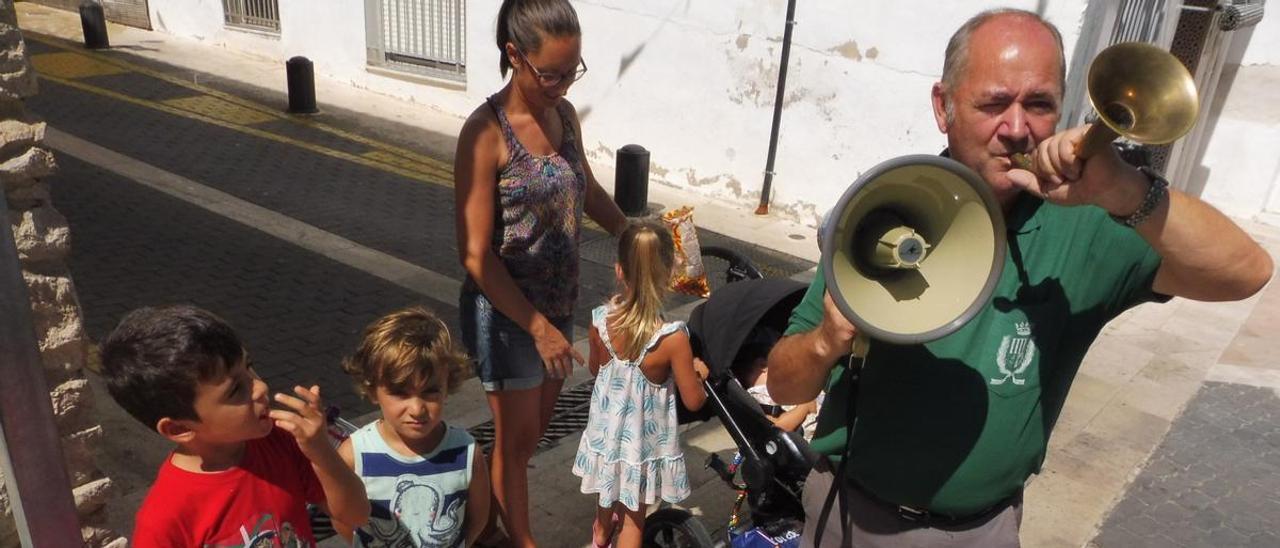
x=522 y=185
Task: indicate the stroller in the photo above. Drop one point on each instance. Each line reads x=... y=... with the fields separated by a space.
x=771 y=465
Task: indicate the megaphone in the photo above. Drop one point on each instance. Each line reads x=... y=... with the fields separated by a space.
x=913 y=250
x=1140 y=92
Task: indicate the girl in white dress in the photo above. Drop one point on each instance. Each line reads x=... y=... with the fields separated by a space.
x=630 y=451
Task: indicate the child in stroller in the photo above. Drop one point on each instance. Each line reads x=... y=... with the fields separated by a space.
x=750 y=367
x=772 y=463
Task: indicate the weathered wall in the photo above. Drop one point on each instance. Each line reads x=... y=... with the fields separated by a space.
x=693 y=81
x=43 y=242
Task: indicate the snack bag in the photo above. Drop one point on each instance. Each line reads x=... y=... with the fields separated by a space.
x=690 y=277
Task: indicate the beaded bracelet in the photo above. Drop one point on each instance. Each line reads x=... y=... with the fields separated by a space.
x=1156 y=192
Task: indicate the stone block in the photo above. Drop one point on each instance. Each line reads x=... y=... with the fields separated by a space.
x=27 y=167
x=17 y=78
x=67 y=357
x=56 y=322
x=72 y=403
x=91 y=496
x=55 y=310
x=98 y=536
x=78 y=455
x=41 y=235
x=18 y=135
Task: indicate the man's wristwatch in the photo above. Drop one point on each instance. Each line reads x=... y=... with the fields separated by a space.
x=1157 y=192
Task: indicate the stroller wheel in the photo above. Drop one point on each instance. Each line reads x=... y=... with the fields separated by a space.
x=672 y=528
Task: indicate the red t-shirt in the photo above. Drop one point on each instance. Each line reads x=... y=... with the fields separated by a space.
x=260 y=503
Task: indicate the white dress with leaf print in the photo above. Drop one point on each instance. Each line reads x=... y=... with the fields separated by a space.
x=630 y=450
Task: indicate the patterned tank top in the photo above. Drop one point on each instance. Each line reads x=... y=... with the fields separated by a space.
x=538 y=216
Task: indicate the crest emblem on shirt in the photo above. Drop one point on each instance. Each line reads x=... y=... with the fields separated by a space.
x=1015 y=355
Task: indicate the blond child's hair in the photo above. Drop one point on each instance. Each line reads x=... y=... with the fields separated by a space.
x=646 y=254
x=408 y=351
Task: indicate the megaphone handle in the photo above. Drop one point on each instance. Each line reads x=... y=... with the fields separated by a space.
x=861 y=344
x=1095 y=140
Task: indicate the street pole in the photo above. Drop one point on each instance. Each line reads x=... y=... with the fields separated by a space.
x=767 y=188
x=30 y=451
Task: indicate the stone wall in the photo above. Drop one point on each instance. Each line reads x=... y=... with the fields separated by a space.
x=42 y=239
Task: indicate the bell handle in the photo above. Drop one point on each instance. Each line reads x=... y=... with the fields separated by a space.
x=1096 y=139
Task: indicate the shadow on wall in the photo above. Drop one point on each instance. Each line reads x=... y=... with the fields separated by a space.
x=629 y=59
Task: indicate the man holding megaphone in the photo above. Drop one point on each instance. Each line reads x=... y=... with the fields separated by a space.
x=963 y=380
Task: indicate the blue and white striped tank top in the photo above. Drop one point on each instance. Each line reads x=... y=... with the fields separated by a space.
x=417 y=501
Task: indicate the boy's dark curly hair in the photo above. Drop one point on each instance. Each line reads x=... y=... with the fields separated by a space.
x=155 y=357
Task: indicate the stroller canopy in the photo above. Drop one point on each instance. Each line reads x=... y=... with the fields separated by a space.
x=736 y=312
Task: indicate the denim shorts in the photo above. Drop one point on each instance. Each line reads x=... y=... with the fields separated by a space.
x=505 y=357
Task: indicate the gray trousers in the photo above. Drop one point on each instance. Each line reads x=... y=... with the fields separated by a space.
x=872 y=524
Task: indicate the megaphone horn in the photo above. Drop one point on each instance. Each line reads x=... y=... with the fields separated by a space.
x=913 y=249
x=1140 y=92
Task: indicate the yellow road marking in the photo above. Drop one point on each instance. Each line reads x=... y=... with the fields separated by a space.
x=388 y=158
x=396 y=160
x=131 y=67
x=72 y=65
x=434 y=177
x=214 y=107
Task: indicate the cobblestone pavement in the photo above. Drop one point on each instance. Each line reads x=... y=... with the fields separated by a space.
x=1213 y=482
x=297 y=312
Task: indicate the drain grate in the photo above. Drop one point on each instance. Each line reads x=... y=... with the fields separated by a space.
x=569 y=417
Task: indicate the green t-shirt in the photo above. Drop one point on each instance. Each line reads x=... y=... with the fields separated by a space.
x=957 y=424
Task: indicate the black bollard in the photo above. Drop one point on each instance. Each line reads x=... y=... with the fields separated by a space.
x=94 y=23
x=631 y=182
x=301 y=77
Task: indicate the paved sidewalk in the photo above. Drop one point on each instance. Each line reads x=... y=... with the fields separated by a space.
x=373 y=172
x=1215 y=478
x=1213 y=482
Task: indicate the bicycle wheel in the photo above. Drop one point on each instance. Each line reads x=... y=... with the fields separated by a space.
x=675 y=528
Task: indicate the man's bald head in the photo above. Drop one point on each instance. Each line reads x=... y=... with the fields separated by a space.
x=958 y=48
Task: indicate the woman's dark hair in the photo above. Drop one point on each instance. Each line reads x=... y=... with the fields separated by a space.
x=525 y=22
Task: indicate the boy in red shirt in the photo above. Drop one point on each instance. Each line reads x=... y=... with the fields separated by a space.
x=241 y=473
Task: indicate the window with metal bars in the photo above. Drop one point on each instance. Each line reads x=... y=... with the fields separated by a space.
x=252 y=14
x=419 y=36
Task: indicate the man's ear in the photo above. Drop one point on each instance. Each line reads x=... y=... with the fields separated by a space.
x=939 y=97
x=176 y=430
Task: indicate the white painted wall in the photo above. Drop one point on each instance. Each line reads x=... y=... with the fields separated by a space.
x=203 y=21
x=1242 y=158
x=694 y=82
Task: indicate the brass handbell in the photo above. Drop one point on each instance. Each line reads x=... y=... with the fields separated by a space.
x=1139 y=91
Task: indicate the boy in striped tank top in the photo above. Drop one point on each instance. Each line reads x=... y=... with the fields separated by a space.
x=426 y=480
